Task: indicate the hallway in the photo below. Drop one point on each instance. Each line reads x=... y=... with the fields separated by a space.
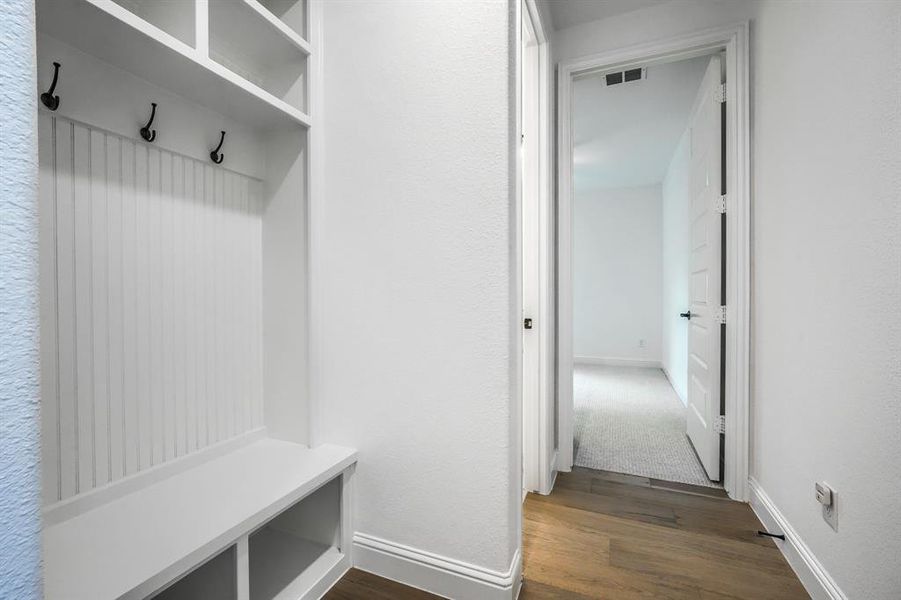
x=602 y=535
x=630 y=420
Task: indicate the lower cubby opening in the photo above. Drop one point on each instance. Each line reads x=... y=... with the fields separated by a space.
x=294 y=550
x=216 y=578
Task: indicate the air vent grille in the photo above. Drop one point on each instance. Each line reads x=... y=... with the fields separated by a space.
x=632 y=75
x=636 y=74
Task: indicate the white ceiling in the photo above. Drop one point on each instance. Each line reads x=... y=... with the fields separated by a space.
x=625 y=135
x=566 y=13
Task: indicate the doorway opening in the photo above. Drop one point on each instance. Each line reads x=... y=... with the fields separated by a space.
x=652 y=245
x=647 y=164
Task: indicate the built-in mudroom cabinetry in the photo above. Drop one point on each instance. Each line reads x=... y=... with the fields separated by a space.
x=174 y=148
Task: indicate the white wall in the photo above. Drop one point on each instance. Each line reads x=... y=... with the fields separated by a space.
x=647 y=24
x=617 y=273
x=827 y=262
x=826 y=337
x=676 y=267
x=20 y=520
x=415 y=317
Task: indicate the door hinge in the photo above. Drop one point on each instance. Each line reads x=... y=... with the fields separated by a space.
x=719 y=315
x=720 y=424
x=720 y=204
x=721 y=93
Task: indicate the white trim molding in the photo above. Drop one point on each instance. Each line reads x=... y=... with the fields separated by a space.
x=813 y=575
x=617 y=362
x=733 y=40
x=538 y=407
x=539 y=467
x=434 y=573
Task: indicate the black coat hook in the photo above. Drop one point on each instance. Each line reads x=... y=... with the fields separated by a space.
x=149 y=134
x=214 y=155
x=49 y=100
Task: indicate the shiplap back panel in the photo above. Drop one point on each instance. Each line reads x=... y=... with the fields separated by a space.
x=151 y=324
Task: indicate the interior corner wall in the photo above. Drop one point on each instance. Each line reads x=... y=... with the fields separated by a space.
x=676 y=268
x=826 y=264
x=20 y=517
x=617 y=274
x=413 y=267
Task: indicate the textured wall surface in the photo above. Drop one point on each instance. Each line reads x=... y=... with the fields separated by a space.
x=616 y=273
x=412 y=273
x=20 y=525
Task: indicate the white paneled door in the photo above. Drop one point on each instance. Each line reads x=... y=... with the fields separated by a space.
x=704 y=344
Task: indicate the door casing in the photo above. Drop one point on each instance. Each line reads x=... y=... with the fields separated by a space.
x=733 y=41
x=538 y=415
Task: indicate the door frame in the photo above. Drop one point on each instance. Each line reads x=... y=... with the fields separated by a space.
x=732 y=39
x=539 y=451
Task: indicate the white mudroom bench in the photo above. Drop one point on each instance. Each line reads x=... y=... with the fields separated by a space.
x=251 y=518
x=175 y=154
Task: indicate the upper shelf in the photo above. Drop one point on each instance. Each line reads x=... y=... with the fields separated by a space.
x=114 y=34
x=250 y=41
x=292 y=13
x=283 y=28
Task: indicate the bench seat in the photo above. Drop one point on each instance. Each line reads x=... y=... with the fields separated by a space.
x=136 y=544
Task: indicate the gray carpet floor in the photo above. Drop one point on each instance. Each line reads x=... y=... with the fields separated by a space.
x=630 y=420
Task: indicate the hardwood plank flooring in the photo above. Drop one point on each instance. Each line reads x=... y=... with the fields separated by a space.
x=606 y=535
x=360 y=585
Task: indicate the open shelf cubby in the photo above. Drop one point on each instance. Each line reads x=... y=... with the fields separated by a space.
x=244 y=40
x=295 y=549
x=216 y=578
x=290 y=12
x=175 y=18
x=150 y=39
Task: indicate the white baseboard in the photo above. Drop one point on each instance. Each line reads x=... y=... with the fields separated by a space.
x=670 y=379
x=433 y=573
x=617 y=362
x=816 y=580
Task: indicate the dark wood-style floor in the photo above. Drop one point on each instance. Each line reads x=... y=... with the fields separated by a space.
x=606 y=535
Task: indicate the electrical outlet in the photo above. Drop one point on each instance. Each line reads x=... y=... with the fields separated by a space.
x=826 y=496
x=830 y=515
